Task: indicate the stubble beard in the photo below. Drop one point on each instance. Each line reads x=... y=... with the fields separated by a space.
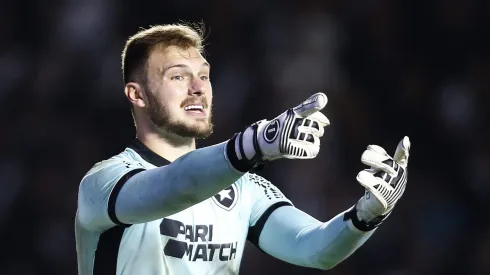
x=167 y=127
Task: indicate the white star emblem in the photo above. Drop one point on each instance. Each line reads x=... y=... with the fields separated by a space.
x=224 y=194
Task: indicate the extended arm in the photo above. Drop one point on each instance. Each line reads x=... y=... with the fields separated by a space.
x=166 y=190
x=297 y=238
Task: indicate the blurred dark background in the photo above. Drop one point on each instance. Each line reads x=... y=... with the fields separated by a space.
x=390 y=68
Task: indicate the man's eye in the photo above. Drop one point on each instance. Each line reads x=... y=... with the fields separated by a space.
x=177 y=77
x=204 y=77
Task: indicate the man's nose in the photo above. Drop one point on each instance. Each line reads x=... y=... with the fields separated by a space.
x=197 y=87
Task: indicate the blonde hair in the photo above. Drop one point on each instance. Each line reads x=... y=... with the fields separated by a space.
x=139 y=46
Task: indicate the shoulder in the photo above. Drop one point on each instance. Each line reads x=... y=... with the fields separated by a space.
x=252 y=178
x=96 y=187
x=257 y=185
x=108 y=171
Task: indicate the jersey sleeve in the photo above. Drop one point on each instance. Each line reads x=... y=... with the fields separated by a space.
x=295 y=237
x=98 y=192
x=264 y=199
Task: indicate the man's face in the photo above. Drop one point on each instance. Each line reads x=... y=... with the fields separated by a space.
x=179 y=92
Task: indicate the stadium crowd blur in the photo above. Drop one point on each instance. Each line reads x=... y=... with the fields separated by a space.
x=390 y=68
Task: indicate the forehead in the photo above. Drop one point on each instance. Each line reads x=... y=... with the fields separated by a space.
x=163 y=56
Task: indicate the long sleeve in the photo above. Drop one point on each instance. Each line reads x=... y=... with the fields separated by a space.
x=297 y=238
x=118 y=192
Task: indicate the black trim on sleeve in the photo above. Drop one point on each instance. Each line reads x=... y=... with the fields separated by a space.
x=105 y=261
x=254 y=231
x=111 y=206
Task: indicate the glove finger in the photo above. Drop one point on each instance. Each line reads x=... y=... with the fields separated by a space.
x=373 y=185
x=315 y=149
x=320 y=118
x=312 y=126
x=306 y=138
x=367 y=179
x=378 y=149
x=303 y=130
x=302 y=126
x=402 y=152
x=303 y=149
x=312 y=105
x=379 y=161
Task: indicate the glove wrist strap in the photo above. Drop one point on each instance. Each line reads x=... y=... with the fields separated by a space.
x=235 y=150
x=352 y=215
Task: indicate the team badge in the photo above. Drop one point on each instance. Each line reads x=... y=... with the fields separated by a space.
x=227 y=198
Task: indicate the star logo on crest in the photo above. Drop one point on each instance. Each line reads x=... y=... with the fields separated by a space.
x=226 y=198
x=224 y=194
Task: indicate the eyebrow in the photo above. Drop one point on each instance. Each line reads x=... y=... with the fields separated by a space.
x=166 y=68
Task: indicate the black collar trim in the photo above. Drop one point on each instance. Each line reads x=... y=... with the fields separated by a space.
x=148 y=154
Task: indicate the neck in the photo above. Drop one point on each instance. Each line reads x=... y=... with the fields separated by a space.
x=170 y=147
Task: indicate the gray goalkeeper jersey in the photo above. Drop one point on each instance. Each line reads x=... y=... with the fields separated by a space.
x=207 y=238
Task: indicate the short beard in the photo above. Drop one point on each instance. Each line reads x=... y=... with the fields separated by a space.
x=166 y=127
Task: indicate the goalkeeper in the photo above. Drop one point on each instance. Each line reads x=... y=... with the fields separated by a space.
x=161 y=206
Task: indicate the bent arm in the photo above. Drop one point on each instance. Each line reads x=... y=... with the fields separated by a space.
x=297 y=238
x=163 y=191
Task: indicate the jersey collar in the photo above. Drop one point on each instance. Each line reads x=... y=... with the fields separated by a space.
x=147 y=154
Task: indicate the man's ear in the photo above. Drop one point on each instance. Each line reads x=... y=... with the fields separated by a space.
x=135 y=95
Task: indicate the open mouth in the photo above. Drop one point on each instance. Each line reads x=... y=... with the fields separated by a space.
x=195 y=109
